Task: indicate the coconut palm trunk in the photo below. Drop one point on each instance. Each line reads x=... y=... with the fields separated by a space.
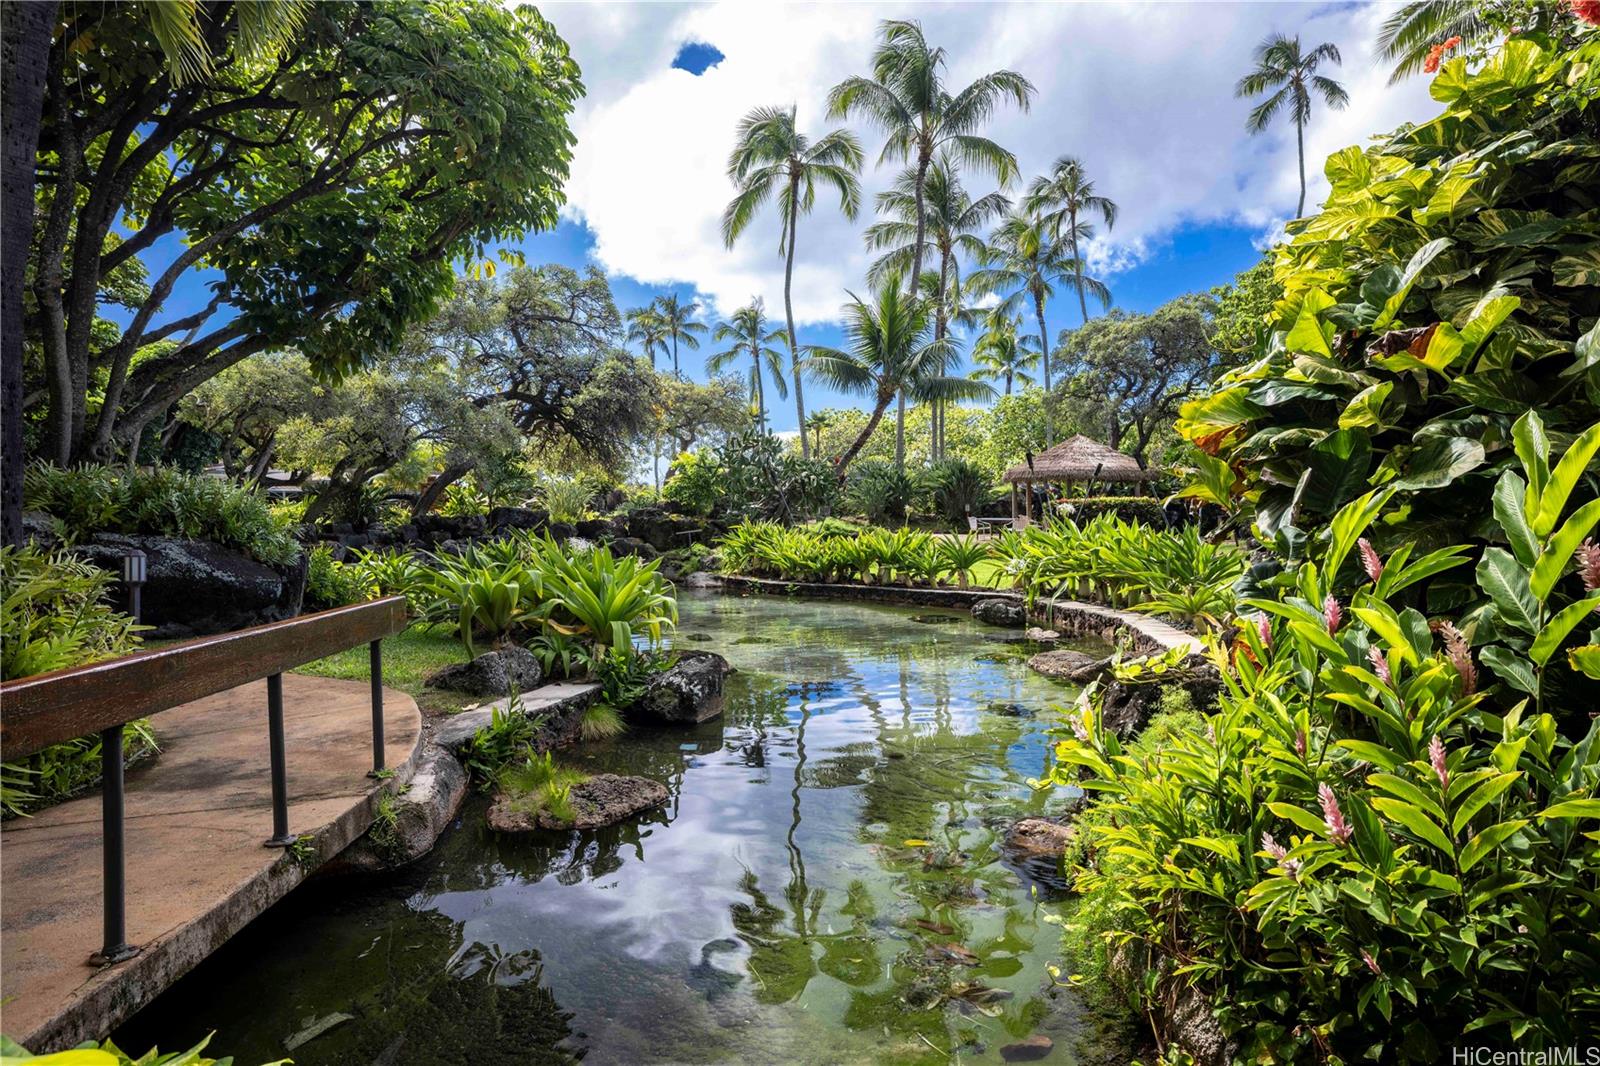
x=865 y=435
x=1083 y=304
x=1300 y=144
x=761 y=390
x=922 y=224
x=788 y=314
x=1044 y=354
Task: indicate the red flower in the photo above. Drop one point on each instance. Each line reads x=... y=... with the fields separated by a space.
x=1587 y=10
x=1451 y=43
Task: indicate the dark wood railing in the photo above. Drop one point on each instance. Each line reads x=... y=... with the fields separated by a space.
x=103 y=697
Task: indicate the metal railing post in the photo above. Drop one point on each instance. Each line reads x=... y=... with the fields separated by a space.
x=376 y=650
x=114 y=886
x=281 y=837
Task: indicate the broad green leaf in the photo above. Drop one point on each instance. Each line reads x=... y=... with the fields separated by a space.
x=1439 y=462
x=1533 y=451
x=1480 y=797
x=1386 y=624
x=1338 y=469
x=1578 y=268
x=1367 y=407
x=1509 y=493
x=1409 y=791
x=1487 y=841
x=1558 y=628
x=1414 y=819
x=1419 y=262
x=1553 y=497
x=1574 y=808
x=1506 y=582
x=1311 y=823
x=1510 y=667
x=1486 y=318
x=1586 y=660
x=1558 y=551
x=1307 y=334
x=1367 y=751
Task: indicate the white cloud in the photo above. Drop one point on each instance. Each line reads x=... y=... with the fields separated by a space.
x=1142 y=93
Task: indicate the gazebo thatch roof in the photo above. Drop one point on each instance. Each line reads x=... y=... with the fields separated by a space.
x=1080 y=458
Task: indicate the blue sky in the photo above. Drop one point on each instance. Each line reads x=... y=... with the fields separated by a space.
x=1142 y=93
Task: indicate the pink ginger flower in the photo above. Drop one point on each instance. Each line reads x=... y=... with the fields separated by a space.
x=1380 y=665
x=1369 y=559
x=1264 y=630
x=1436 y=760
x=1280 y=855
x=1339 y=830
x=1300 y=743
x=1372 y=963
x=1332 y=613
x=1460 y=655
x=1588 y=559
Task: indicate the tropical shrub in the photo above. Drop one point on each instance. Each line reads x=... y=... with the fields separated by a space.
x=961 y=555
x=482 y=598
x=959 y=488
x=463 y=499
x=696 y=483
x=761 y=480
x=55 y=612
x=507 y=739
x=1372 y=849
x=566 y=500
x=160 y=501
x=1451 y=283
x=1146 y=509
x=881 y=491
x=394 y=572
x=605 y=597
x=329 y=582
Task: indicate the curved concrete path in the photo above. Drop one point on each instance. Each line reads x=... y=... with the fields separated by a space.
x=197 y=871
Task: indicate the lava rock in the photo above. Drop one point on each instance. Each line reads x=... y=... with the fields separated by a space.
x=999 y=612
x=494 y=673
x=422 y=812
x=1039 y=836
x=1059 y=665
x=517 y=518
x=602 y=800
x=1034 y=1047
x=196 y=587
x=664 y=531
x=634 y=546
x=1040 y=635
x=690 y=690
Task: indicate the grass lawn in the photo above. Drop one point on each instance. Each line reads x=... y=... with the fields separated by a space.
x=991 y=573
x=408 y=658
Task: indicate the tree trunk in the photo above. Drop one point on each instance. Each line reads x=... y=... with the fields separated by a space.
x=865 y=435
x=1300 y=141
x=1077 y=261
x=1044 y=349
x=788 y=314
x=900 y=433
x=922 y=225
x=429 y=496
x=263 y=461
x=25 y=52
x=1008 y=381
x=761 y=391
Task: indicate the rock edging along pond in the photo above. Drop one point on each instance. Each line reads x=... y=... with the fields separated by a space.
x=1149 y=635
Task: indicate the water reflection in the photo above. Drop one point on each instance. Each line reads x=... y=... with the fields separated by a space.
x=825 y=886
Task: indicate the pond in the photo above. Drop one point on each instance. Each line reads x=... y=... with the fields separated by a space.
x=826 y=885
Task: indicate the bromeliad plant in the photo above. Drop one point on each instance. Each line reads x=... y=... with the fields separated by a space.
x=1372 y=851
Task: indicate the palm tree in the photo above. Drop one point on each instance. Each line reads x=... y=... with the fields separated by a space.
x=1025 y=258
x=747 y=330
x=907 y=99
x=892 y=353
x=1416 y=28
x=1281 y=66
x=1066 y=198
x=678 y=324
x=816 y=423
x=648 y=331
x=951 y=221
x=771 y=153
x=1003 y=351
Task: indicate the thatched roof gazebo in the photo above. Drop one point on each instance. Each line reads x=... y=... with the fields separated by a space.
x=1077 y=459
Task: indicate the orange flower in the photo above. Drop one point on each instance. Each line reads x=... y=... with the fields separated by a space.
x=1431 y=64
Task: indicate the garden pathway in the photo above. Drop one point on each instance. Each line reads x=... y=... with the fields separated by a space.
x=197 y=871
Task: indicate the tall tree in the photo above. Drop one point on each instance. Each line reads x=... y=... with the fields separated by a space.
x=25 y=31
x=750 y=338
x=770 y=154
x=1415 y=35
x=1067 y=200
x=1003 y=352
x=892 y=352
x=952 y=220
x=358 y=161
x=1290 y=75
x=816 y=422
x=1025 y=258
x=648 y=331
x=906 y=97
x=678 y=325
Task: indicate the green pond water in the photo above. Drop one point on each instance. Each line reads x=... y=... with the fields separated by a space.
x=826 y=885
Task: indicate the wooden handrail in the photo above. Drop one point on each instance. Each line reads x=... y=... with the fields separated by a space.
x=46 y=709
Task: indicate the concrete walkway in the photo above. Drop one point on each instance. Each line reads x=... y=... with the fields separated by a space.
x=197 y=872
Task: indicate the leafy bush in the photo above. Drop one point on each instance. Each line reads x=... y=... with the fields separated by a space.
x=463 y=499
x=1146 y=509
x=484 y=598
x=55 y=612
x=161 y=501
x=696 y=483
x=881 y=491
x=961 y=555
x=567 y=501
x=605 y=597
x=1451 y=283
x=761 y=480
x=394 y=572
x=537 y=785
x=959 y=488
x=506 y=739
x=331 y=583
x=1371 y=849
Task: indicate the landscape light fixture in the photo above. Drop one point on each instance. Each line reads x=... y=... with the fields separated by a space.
x=134 y=567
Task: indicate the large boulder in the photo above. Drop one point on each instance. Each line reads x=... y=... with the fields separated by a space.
x=197 y=587
x=664 y=531
x=1000 y=612
x=494 y=673
x=1060 y=665
x=501 y=518
x=1039 y=836
x=422 y=812
x=690 y=690
x=602 y=800
x=633 y=546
